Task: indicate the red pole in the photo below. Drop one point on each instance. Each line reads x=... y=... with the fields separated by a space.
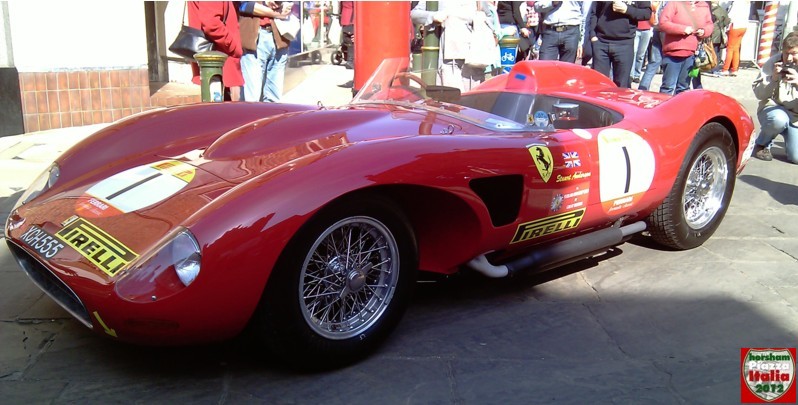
x=382 y=30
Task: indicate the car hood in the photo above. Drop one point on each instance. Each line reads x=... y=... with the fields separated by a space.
x=261 y=145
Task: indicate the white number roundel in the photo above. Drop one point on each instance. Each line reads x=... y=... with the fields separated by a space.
x=626 y=166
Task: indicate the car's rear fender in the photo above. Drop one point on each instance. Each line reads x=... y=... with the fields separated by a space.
x=703 y=107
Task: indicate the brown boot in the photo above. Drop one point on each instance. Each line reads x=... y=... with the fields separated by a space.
x=762 y=153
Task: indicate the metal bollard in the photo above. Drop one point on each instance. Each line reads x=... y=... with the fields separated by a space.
x=415 y=49
x=210 y=65
x=508 y=47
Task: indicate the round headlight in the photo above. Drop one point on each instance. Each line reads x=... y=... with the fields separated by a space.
x=164 y=272
x=186 y=257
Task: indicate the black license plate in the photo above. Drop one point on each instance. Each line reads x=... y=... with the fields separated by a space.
x=42 y=241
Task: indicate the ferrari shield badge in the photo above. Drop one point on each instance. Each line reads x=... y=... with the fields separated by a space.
x=543 y=161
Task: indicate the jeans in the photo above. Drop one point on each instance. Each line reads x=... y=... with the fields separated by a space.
x=264 y=70
x=775 y=121
x=674 y=76
x=560 y=46
x=614 y=57
x=654 y=61
x=642 y=38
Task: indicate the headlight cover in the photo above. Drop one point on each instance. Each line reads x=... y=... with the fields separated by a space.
x=47 y=179
x=173 y=266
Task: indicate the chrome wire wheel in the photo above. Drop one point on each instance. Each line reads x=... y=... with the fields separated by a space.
x=349 y=277
x=705 y=188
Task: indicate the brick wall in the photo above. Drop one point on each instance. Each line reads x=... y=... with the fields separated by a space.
x=66 y=99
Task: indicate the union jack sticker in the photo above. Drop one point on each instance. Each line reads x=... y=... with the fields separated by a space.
x=571 y=159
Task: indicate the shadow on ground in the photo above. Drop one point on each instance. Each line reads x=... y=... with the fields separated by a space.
x=783 y=193
x=464 y=339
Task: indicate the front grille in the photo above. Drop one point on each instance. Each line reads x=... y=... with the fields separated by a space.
x=50 y=284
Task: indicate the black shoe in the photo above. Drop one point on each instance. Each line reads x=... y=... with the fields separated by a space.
x=349 y=65
x=348 y=85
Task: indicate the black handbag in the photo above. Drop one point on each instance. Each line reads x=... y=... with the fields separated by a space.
x=190 y=41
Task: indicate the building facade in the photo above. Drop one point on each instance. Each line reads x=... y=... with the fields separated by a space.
x=73 y=63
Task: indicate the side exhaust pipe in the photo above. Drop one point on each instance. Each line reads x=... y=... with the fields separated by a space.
x=560 y=253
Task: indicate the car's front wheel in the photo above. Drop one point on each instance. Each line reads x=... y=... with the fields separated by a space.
x=341 y=286
x=701 y=194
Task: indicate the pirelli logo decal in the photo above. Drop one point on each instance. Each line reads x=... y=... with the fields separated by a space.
x=100 y=248
x=548 y=225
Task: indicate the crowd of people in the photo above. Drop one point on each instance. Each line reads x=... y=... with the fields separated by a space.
x=257 y=54
x=627 y=41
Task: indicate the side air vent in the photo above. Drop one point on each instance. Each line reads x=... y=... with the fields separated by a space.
x=501 y=195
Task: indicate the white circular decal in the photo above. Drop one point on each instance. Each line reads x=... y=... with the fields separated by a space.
x=135 y=188
x=626 y=166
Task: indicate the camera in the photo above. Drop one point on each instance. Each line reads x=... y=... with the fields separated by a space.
x=789 y=65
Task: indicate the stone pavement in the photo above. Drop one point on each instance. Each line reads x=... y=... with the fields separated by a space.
x=637 y=325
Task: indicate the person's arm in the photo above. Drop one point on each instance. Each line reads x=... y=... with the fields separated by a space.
x=257 y=9
x=638 y=11
x=543 y=6
x=420 y=15
x=767 y=80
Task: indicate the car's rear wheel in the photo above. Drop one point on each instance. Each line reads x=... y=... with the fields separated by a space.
x=341 y=286
x=700 y=196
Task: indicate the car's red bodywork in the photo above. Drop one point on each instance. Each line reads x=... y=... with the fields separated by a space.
x=256 y=173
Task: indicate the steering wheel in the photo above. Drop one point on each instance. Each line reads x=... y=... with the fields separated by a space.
x=403 y=77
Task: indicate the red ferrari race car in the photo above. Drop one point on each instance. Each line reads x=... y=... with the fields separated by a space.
x=310 y=224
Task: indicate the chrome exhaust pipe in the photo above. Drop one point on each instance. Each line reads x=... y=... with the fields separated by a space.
x=559 y=253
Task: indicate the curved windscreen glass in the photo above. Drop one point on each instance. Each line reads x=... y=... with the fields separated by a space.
x=513 y=106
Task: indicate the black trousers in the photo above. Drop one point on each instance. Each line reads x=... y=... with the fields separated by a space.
x=616 y=56
x=348 y=42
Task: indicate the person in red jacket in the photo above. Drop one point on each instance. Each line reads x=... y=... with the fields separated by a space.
x=685 y=24
x=219 y=21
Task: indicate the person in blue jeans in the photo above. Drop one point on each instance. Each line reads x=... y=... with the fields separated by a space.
x=776 y=88
x=685 y=24
x=675 y=73
x=654 y=61
x=560 y=30
x=642 y=40
x=264 y=69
